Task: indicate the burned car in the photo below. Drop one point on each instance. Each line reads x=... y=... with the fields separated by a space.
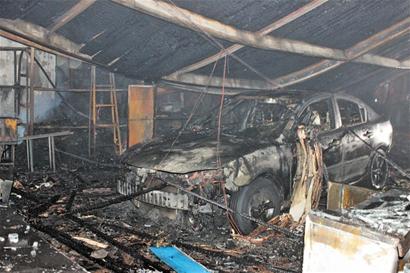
x=251 y=164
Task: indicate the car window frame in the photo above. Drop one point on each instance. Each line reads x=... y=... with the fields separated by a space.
x=332 y=108
x=358 y=103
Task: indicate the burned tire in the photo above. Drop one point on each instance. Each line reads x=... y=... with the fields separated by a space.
x=378 y=169
x=261 y=199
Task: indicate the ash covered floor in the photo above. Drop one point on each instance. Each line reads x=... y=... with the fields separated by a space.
x=23 y=249
x=116 y=238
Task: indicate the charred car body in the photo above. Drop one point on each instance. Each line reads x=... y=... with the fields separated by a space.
x=253 y=163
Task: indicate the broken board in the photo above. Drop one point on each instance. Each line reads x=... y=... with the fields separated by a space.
x=334 y=246
x=178 y=260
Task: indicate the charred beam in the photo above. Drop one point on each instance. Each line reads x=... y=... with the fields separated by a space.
x=199 y=23
x=405 y=62
x=355 y=52
x=196 y=79
x=79 y=247
x=148 y=262
x=36 y=210
x=36 y=36
x=70 y=201
x=70 y=14
x=264 y=31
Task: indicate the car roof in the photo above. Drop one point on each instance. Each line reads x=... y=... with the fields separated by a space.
x=297 y=94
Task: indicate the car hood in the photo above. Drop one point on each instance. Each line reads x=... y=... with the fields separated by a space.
x=191 y=152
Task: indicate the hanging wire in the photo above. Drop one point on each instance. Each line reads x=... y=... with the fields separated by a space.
x=194 y=109
x=216 y=43
x=218 y=138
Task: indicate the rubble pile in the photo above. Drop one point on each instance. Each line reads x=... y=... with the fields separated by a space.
x=388 y=212
x=66 y=207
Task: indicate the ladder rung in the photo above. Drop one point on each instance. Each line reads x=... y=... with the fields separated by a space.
x=105 y=125
x=104 y=105
x=103 y=85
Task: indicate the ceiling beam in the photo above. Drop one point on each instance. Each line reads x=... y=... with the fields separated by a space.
x=405 y=62
x=202 y=80
x=70 y=14
x=199 y=23
x=36 y=36
x=355 y=52
x=264 y=31
x=199 y=89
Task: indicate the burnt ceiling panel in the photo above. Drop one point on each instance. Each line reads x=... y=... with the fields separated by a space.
x=45 y=12
x=12 y=9
x=146 y=48
x=154 y=59
x=270 y=63
x=102 y=16
x=136 y=44
x=243 y=14
x=341 y=24
x=341 y=77
x=398 y=48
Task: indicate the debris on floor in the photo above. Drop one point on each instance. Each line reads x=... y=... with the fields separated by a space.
x=373 y=236
x=22 y=249
x=118 y=237
x=80 y=213
x=178 y=260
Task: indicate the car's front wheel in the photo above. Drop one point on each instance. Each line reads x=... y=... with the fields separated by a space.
x=260 y=199
x=379 y=169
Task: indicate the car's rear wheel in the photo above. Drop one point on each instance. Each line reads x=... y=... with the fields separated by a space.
x=261 y=199
x=378 y=170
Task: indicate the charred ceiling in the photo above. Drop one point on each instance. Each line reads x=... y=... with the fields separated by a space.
x=118 y=36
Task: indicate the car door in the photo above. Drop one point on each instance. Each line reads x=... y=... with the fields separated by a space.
x=329 y=135
x=356 y=155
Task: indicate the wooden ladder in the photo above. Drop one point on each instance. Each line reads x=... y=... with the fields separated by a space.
x=94 y=109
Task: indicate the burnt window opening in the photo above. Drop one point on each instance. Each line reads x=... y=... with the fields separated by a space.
x=323 y=110
x=266 y=114
x=350 y=112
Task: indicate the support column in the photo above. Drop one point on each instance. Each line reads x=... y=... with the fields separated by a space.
x=30 y=95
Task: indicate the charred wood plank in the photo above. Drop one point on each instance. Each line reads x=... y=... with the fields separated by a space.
x=70 y=14
x=35 y=211
x=116 y=200
x=70 y=201
x=148 y=262
x=82 y=249
x=199 y=23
